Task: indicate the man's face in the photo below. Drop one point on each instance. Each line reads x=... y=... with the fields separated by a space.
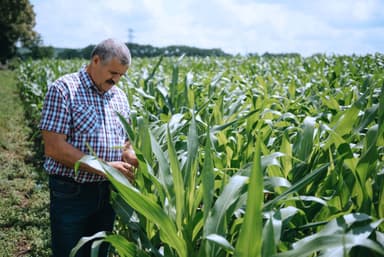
x=107 y=74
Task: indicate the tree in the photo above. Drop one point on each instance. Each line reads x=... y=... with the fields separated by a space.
x=39 y=52
x=86 y=51
x=17 y=20
x=69 y=53
x=36 y=50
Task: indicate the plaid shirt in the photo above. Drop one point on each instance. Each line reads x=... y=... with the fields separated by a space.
x=73 y=106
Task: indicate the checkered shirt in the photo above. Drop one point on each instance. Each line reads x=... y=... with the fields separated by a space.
x=73 y=106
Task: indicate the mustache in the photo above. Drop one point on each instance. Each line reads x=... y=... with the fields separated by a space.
x=110 y=81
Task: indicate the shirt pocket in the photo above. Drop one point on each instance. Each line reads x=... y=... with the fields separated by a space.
x=85 y=119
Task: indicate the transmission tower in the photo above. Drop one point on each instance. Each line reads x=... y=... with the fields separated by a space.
x=130 y=35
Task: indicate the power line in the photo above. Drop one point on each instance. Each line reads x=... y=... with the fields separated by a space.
x=130 y=35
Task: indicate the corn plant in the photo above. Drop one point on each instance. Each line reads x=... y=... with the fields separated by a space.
x=252 y=156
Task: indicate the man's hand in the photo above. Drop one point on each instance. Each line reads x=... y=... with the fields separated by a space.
x=57 y=148
x=129 y=155
x=125 y=168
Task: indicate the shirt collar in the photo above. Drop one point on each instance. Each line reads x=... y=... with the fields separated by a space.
x=90 y=85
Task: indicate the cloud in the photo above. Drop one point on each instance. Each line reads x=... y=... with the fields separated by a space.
x=80 y=23
x=236 y=26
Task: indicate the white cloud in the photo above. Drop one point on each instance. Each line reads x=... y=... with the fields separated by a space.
x=233 y=25
x=255 y=14
x=115 y=6
x=80 y=23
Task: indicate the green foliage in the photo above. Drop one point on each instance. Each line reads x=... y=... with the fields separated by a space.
x=338 y=237
x=35 y=50
x=252 y=228
x=256 y=154
x=70 y=54
x=143 y=51
x=17 y=20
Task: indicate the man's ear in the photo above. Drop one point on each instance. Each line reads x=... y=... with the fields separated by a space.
x=95 y=59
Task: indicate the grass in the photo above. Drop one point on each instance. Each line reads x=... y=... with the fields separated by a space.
x=24 y=198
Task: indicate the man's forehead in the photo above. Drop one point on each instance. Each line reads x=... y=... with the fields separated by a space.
x=114 y=65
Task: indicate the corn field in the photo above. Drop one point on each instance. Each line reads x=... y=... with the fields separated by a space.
x=244 y=156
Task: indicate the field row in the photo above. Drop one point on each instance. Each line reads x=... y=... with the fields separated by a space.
x=247 y=156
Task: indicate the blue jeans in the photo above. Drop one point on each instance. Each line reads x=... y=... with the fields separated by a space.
x=78 y=210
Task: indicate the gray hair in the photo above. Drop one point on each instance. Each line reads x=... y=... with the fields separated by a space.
x=110 y=48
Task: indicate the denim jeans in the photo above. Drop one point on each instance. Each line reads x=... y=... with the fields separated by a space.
x=78 y=210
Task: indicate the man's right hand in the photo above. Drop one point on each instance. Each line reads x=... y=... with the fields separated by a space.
x=125 y=168
x=129 y=155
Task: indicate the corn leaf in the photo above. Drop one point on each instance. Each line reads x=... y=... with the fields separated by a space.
x=146 y=206
x=250 y=238
x=177 y=182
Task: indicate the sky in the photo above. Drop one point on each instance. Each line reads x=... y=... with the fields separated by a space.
x=241 y=27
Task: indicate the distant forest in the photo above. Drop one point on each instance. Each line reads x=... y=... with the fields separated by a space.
x=137 y=50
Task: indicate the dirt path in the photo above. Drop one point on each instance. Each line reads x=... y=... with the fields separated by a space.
x=24 y=225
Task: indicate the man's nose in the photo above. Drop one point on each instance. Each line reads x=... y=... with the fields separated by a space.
x=116 y=77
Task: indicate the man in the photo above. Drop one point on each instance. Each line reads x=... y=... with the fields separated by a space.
x=79 y=116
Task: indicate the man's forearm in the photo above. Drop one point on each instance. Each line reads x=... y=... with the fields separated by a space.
x=68 y=155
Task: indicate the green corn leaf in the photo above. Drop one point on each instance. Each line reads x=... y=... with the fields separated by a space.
x=153 y=71
x=123 y=247
x=269 y=243
x=303 y=146
x=86 y=239
x=345 y=123
x=370 y=156
x=145 y=139
x=366 y=168
x=250 y=239
x=208 y=177
x=286 y=160
x=308 y=179
x=271 y=183
x=380 y=117
x=274 y=227
x=132 y=221
x=338 y=237
x=215 y=223
x=330 y=102
x=221 y=241
x=145 y=95
x=165 y=175
x=191 y=167
x=226 y=125
x=177 y=182
x=337 y=243
x=369 y=116
x=173 y=89
x=122 y=209
x=95 y=247
x=148 y=208
x=144 y=205
x=127 y=127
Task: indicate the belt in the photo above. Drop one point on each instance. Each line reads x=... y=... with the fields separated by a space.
x=72 y=180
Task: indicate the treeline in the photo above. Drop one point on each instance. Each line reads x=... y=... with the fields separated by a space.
x=137 y=50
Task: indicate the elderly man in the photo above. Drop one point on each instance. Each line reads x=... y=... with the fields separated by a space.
x=79 y=114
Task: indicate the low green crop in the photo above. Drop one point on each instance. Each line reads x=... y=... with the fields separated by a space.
x=252 y=156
